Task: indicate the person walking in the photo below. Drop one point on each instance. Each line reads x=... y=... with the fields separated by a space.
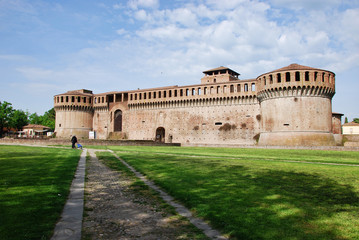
x=74 y=141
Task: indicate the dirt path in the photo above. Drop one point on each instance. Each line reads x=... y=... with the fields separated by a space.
x=114 y=211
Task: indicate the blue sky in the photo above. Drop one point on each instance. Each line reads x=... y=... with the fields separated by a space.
x=48 y=47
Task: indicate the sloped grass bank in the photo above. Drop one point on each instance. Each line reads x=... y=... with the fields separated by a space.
x=247 y=196
x=34 y=185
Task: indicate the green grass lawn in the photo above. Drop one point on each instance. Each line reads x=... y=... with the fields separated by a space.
x=259 y=193
x=34 y=185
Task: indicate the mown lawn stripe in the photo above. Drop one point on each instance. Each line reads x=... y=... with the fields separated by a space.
x=259 y=199
x=34 y=185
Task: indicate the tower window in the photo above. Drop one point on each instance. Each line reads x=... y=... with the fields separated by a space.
x=287 y=77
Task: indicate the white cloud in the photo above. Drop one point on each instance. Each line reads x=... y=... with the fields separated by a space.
x=121 y=31
x=183 y=16
x=141 y=15
x=316 y=5
x=135 y=4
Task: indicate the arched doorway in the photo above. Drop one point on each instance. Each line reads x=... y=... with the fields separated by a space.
x=118 y=121
x=160 y=135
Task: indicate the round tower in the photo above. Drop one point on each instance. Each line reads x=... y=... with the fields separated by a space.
x=296 y=107
x=74 y=113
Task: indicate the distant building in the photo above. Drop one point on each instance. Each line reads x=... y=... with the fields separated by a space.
x=289 y=106
x=351 y=128
x=34 y=131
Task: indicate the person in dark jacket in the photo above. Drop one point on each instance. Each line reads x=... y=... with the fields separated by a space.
x=74 y=141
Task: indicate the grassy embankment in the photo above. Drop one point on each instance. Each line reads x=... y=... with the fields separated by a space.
x=259 y=193
x=34 y=185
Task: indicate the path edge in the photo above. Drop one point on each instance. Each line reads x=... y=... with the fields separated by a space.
x=70 y=225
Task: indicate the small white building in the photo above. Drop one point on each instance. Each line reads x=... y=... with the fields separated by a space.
x=350 y=128
x=34 y=131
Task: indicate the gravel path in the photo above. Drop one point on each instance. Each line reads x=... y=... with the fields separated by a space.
x=114 y=211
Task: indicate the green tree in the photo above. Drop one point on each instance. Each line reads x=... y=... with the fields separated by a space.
x=19 y=119
x=35 y=119
x=48 y=119
x=6 y=112
x=346 y=120
x=356 y=120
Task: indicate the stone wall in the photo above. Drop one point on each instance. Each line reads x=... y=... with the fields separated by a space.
x=222 y=123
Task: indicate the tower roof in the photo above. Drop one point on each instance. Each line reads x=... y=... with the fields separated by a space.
x=221 y=68
x=295 y=66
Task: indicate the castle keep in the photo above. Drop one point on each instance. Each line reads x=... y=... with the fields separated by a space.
x=288 y=106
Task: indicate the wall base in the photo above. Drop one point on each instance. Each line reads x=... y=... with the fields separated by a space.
x=296 y=139
x=81 y=133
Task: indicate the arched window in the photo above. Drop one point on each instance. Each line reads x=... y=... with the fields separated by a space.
x=238 y=87
x=323 y=77
x=315 y=76
x=254 y=86
x=246 y=87
x=297 y=76
x=231 y=89
x=306 y=76
x=118 y=121
x=279 y=77
x=287 y=76
x=271 y=79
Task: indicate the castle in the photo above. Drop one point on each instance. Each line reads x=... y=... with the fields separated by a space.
x=290 y=106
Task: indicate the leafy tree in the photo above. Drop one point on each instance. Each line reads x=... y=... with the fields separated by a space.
x=19 y=119
x=6 y=113
x=48 y=119
x=356 y=120
x=34 y=119
x=346 y=120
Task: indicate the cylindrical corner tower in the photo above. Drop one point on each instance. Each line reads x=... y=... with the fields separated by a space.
x=296 y=108
x=74 y=113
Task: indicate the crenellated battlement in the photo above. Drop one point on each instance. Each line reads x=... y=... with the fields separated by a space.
x=296 y=80
x=78 y=100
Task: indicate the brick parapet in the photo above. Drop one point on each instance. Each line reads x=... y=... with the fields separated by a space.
x=296 y=81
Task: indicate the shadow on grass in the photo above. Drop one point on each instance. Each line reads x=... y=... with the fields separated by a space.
x=249 y=203
x=34 y=184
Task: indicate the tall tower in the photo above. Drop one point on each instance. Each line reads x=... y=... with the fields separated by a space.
x=296 y=107
x=74 y=113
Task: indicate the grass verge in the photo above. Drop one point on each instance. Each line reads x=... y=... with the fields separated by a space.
x=34 y=185
x=247 y=196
